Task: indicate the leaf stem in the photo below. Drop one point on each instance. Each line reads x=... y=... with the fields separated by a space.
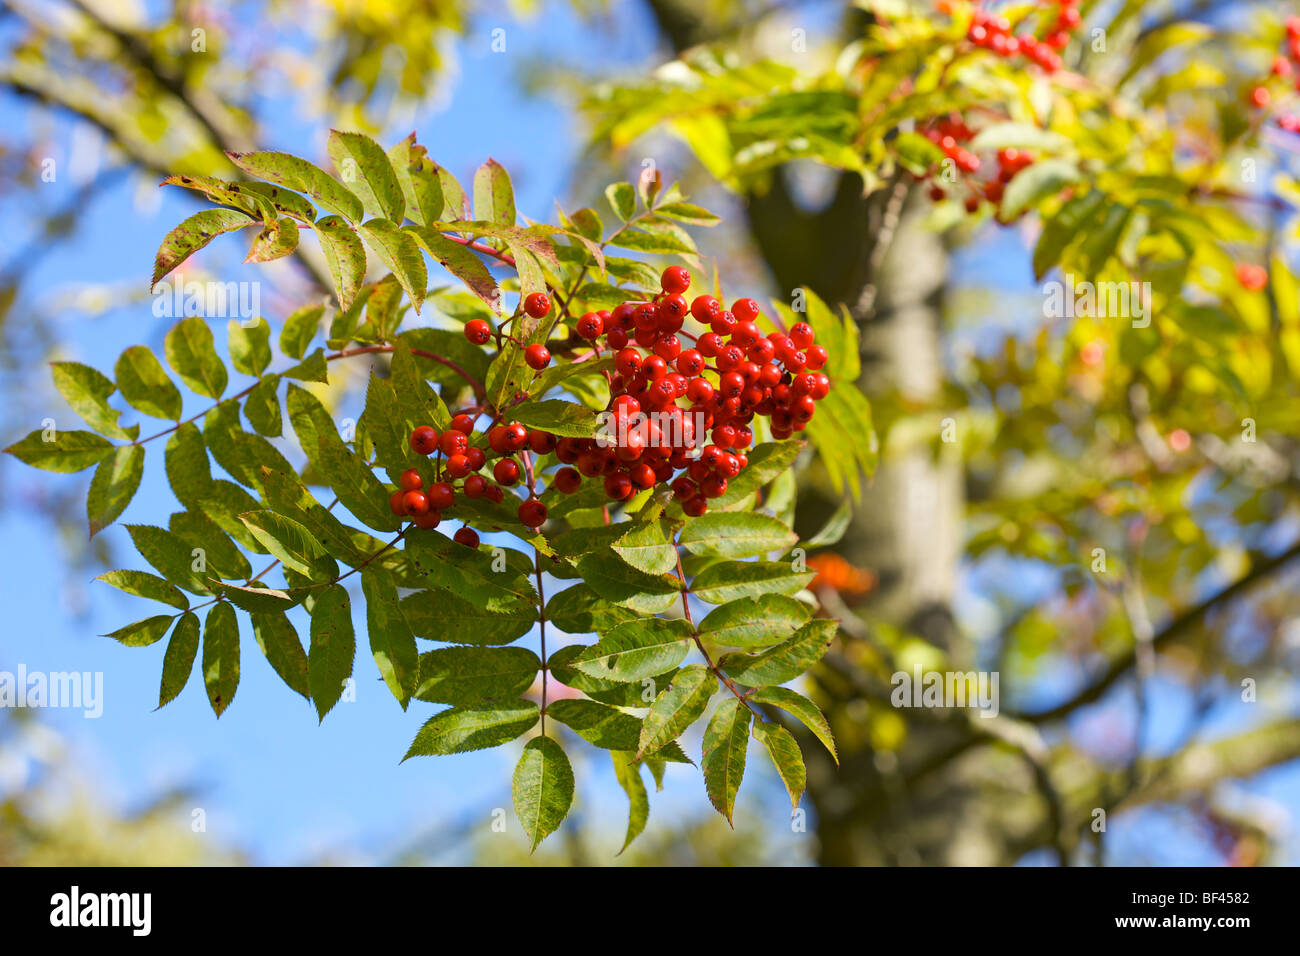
x=708 y=659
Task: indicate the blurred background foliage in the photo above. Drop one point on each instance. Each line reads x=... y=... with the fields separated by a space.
x=1012 y=444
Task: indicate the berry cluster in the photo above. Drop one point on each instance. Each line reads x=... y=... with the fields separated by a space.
x=1284 y=66
x=949 y=133
x=993 y=32
x=727 y=375
x=666 y=402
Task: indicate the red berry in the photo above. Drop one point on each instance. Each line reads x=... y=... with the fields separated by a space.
x=396 y=504
x=541 y=442
x=478 y=331
x=695 y=506
x=801 y=334
x=618 y=486
x=411 y=480
x=496 y=495
x=441 y=496
x=537 y=304
x=424 y=440
x=466 y=536
x=474 y=455
x=1260 y=96
x=643 y=476
x=617 y=338
x=475 y=486
x=457 y=466
x=415 y=502
x=516 y=437
x=709 y=344
x=668 y=348
x=567 y=480
x=713 y=486
x=537 y=355
x=463 y=424
x=816 y=356
x=671 y=313
x=690 y=362
x=428 y=521
x=590 y=326
x=675 y=279
x=506 y=471
x=745 y=310
x=453 y=442
x=706 y=308
x=532 y=513
x=628 y=362
x=497 y=439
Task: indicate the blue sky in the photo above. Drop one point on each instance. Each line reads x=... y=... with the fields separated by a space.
x=273 y=781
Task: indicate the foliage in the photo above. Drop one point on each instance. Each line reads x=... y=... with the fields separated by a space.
x=631 y=692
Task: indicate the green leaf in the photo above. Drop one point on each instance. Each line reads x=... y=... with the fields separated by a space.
x=178 y=662
x=398 y=250
x=543 y=788
x=494 y=197
x=476 y=676
x=423 y=403
x=391 y=640
x=145 y=385
x=145 y=585
x=345 y=255
x=442 y=616
x=622 y=584
x=1017 y=136
x=300 y=327
x=628 y=773
x=784 y=751
x=250 y=346
x=463 y=729
x=169 y=555
x=622 y=199
x=421 y=187
x=766 y=463
x=143 y=633
x=615 y=693
x=689 y=213
x=730 y=580
x=460 y=262
x=804 y=710
x=786 y=660
x=301 y=176
x=725 y=741
x=636 y=650
x=333 y=646
x=258 y=598
x=189 y=351
x=835 y=526
x=192 y=235
x=311 y=369
x=186 y=461
x=352 y=480
x=221 y=656
x=754 y=621
x=279 y=643
x=113 y=486
x=678 y=706
x=598 y=724
x=580 y=610
x=1035 y=183
x=365 y=170
x=291 y=542
x=558 y=417
x=646 y=549
x=62 y=451
x=740 y=534
x=276 y=240
x=87 y=391
x=262 y=407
